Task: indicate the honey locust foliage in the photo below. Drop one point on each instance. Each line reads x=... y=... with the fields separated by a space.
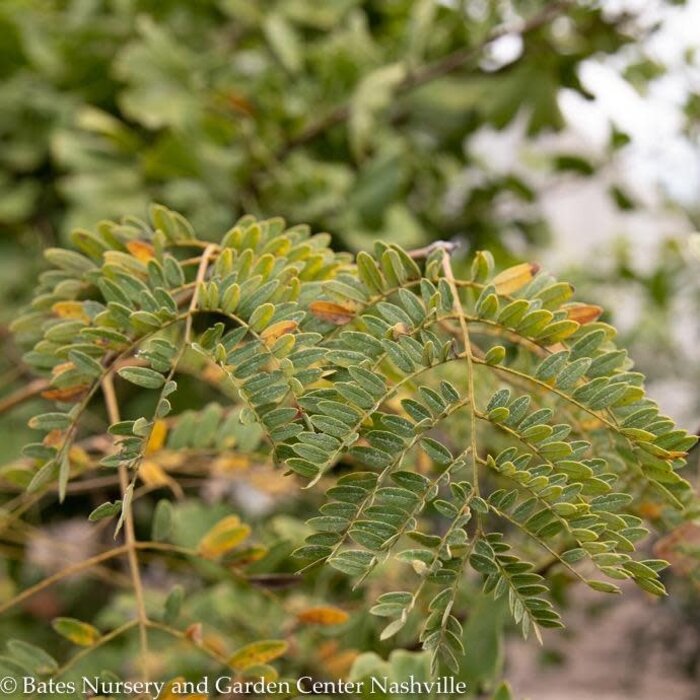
x=484 y=423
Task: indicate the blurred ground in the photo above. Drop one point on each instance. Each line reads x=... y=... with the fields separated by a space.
x=634 y=649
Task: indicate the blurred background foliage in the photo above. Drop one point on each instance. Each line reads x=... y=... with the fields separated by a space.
x=407 y=120
x=355 y=116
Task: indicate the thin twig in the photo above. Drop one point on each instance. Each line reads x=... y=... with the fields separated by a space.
x=30 y=391
x=201 y=273
x=59 y=576
x=178 y=634
x=420 y=253
x=105 y=639
x=129 y=533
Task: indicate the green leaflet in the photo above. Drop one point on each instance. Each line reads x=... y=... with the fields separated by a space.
x=142 y=376
x=105 y=510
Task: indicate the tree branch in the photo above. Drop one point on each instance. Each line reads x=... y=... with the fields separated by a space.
x=430 y=72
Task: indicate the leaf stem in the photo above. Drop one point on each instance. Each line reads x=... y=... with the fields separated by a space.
x=178 y=634
x=457 y=304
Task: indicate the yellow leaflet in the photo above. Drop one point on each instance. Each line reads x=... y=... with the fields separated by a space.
x=80 y=633
x=323 y=615
x=152 y=474
x=66 y=395
x=583 y=313
x=227 y=465
x=70 y=310
x=332 y=313
x=158 y=435
x=141 y=250
x=171 y=691
x=514 y=278
x=224 y=536
x=257 y=653
x=276 y=331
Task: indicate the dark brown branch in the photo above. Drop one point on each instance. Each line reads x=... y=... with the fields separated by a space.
x=430 y=72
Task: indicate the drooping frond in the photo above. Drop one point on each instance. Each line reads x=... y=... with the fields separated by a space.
x=496 y=403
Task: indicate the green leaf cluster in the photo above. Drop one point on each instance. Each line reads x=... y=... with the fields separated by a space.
x=108 y=107
x=484 y=427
